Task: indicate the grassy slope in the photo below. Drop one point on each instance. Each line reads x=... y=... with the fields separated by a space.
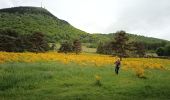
x=52 y=80
x=132 y=37
x=26 y=20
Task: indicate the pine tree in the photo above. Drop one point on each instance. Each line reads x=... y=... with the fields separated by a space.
x=121 y=43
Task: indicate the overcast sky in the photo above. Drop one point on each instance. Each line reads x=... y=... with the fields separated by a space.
x=145 y=17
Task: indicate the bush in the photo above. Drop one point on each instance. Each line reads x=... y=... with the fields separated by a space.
x=160 y=51
x=11 y=41
x=66 y=47
x=105 y=48
x=77 y=46
x=167 y=50
x=38 y=43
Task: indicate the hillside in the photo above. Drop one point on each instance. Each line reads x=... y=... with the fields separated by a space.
x=97 y=37
x=26 y=20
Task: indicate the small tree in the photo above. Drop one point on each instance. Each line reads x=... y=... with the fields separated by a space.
x=66 y=47
x=38 y=43
x=160 y=51
x=106 y=48
x=77 y=46
x=121 y=43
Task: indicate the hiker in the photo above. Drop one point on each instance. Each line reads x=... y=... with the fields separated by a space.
x=117 y=66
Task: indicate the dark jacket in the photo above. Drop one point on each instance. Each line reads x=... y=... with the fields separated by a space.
x=117 y=63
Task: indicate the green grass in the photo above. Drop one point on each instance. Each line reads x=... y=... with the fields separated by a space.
x=85 y=49
x=88 y=50
x=56 y=81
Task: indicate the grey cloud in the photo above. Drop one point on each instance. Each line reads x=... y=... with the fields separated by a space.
x=146 y=17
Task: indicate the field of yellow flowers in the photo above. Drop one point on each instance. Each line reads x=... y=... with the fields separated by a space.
x=52 y=75
x=136 y=64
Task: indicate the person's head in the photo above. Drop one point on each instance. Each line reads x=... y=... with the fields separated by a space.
x=118 y=59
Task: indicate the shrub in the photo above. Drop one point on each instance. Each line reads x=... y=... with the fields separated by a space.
x=11 y=41
x=98 y=80
x=167 y=50
x=160 y=51
x=38 y=43
x=106 y=48
x=77 y=46
x=66 y=47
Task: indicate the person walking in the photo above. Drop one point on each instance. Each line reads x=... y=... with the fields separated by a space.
x=117 y=66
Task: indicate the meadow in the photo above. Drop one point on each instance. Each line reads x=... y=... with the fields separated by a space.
x=57 y=76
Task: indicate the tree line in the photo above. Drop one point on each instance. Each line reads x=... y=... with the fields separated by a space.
x=11 y=41
x=122 y=47
x=163 y=51
x=68 y=46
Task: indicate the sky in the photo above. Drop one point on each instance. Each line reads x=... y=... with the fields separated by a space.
x=143 y=17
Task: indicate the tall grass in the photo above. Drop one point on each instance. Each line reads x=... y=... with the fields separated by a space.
x=57 y=81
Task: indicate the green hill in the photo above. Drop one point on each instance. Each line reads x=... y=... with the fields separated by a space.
x=97 y=37
x=26 y=20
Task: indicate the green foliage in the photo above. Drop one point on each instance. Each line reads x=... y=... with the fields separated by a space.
x=167 y=50
x=134 y=47
x=66 y=47
x=120 y=45
x=160 y=51
x=105 y=48
x=53 y=46
x=100 y=48
x=11 y=41
x=121 y=40
x=26 y=20
x=163 y=51
x=37 y=43
x=77 y=46
x=69 y=46
x=151 y=44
